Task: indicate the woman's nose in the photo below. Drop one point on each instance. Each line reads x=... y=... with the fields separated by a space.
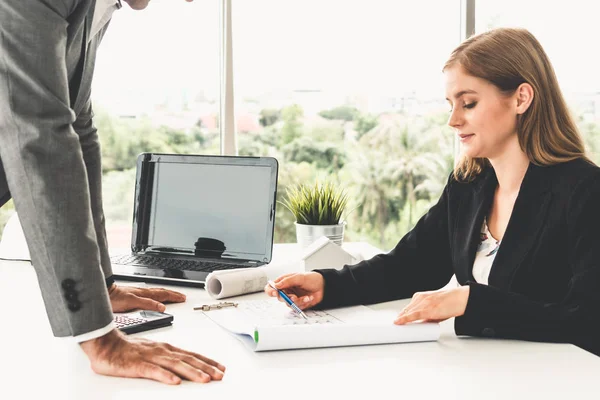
x=455 y=120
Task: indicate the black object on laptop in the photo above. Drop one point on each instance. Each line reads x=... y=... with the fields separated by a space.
x=144 y=320
x=195 y=214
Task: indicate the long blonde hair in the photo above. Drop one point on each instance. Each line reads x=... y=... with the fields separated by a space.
x=508 y=57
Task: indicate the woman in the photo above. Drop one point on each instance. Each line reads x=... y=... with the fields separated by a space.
x=518 y=222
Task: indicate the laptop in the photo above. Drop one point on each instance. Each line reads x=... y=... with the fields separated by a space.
x=195 y=214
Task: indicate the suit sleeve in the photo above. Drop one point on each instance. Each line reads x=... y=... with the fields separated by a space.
x=44 y=165
x=420 y=261
x=491 y=312
x=90 y=147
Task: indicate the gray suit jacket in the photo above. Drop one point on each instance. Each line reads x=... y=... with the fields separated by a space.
x=50 y=155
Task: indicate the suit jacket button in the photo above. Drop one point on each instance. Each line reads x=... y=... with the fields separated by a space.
x=74 y=306
x=68 y=284
x=71 y=295
x=488 y=332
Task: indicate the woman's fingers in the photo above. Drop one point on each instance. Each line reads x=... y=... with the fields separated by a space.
x=413 y=305
x=436 y=306
x=418 y=304
x=279 y=279
x=304 y=289
x=412 y=316
x=270 y=291
x=305 y=302
x=290 y=281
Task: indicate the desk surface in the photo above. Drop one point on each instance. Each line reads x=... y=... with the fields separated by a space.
x=33 y=362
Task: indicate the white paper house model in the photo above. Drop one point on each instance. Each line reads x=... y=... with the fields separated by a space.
x=323 y=253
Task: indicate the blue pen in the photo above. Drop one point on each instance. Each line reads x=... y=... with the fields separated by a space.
x=288 y=300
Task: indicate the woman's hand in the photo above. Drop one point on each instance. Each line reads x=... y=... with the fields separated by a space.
x=305 y=290
x=125 y=298
x=435 y=306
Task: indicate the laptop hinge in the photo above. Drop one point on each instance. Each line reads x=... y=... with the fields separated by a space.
x=203 y=259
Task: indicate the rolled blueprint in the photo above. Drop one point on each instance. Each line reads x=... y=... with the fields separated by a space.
x=227 y=283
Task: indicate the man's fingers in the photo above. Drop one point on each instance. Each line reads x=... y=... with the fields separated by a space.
x=114 y=354
x=157 y=373
x=181 y=368
x=161 y=295
x=208 y=361
x=144 y=303
x=204 y=359
x=195 y=362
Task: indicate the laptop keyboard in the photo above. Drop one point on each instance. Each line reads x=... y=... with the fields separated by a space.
x=173 y=263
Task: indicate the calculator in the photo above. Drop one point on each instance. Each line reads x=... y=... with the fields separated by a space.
x=143 y=320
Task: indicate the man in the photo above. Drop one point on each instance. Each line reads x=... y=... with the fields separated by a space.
x=50 y=165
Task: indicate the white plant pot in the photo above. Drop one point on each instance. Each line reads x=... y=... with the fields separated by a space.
x=307 y=234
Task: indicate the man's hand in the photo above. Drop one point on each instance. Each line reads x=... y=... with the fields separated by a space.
x=115 y=354
x=124 y=298
x=435 y=306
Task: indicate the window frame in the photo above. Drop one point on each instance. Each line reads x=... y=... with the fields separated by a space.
x=227 y=107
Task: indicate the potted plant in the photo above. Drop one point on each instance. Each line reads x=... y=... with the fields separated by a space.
x=318 y=211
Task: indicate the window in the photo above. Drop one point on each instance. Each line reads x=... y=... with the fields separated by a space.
x=568 y=35
x=156 y=88
x=350 y=92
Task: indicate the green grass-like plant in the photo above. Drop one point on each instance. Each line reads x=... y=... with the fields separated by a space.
x=321 y=204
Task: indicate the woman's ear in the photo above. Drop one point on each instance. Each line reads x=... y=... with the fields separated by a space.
x=524 y=95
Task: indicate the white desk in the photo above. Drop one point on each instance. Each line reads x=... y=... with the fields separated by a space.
x=34 y=364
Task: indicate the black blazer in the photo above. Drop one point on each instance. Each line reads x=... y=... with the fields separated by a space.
x=544 y=284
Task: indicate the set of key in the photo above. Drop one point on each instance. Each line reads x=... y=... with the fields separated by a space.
x=217 y=306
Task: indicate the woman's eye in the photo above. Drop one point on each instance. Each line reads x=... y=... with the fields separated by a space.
x=470 y=105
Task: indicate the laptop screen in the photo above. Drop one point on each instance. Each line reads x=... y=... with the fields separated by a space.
x=208 y=206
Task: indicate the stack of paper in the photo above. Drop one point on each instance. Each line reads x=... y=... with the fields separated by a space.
x=271 y=325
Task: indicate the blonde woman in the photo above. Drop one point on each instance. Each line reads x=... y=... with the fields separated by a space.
x=518 y=222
